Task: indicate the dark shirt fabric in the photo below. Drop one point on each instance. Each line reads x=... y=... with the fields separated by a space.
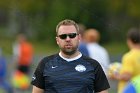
x=56 y=75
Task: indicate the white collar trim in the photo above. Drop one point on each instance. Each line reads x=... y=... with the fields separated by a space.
x=70 y=59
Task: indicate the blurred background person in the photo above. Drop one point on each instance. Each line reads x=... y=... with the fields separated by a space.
x=130 y=61
x=96 y=51
x=23 y=55
x=82 y=46
x=4 y=83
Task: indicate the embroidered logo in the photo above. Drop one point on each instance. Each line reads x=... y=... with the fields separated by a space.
x=33 y=78
x=54 y=66
x=80 y=68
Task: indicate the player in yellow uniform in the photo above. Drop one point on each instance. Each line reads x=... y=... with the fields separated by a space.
x=130 y=61
x=130 y=67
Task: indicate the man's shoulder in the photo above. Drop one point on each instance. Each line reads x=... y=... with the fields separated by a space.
x=50 y=57
x=47 y=59
x=128 y=55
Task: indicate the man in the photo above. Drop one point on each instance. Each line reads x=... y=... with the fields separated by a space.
x=96 y=51
x=69 y=71
x=130 y=61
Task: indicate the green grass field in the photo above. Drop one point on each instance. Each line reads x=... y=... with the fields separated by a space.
x=47 y=48
x=115 y=48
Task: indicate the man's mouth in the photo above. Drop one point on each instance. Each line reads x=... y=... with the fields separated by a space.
x=68 y=46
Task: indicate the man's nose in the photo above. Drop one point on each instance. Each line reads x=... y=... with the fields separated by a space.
x=67 y=38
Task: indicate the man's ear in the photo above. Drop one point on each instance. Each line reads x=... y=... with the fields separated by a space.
x=57 y=40
x=80 y=37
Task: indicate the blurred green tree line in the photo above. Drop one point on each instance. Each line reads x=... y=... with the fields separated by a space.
x=39 y=18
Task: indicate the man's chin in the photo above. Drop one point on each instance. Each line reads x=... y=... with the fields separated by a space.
x=69 y=52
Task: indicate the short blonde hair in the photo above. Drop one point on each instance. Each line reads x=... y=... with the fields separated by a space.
x=67 y=22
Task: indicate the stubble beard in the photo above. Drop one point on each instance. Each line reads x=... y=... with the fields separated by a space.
x=70 y=51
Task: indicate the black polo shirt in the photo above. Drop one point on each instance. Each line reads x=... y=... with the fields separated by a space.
x=56 y=75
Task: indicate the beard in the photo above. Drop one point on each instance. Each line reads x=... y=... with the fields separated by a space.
x=69 y=51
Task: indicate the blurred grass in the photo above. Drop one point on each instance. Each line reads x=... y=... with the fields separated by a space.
x=2 y=91
x=41 y=48
x=45 y=48
x=116 y=48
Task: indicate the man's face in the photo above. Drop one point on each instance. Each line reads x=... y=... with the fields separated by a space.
x=68 y=39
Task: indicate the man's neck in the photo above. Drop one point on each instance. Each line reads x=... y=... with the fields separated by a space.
x=70 y=56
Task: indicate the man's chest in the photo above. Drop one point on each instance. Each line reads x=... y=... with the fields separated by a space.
x=71 y=73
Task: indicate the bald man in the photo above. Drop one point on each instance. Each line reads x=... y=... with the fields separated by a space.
x=96 y=51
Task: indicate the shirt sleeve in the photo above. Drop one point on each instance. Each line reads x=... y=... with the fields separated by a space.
x=101 y=82
x=37 y=78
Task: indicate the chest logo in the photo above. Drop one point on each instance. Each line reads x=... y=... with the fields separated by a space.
x=33 y=78
x=54 y=66
x=80 y=68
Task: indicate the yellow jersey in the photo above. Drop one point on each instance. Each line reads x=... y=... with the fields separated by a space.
x=130 y=64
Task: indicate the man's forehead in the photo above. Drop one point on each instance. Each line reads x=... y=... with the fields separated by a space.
x=67 y=29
